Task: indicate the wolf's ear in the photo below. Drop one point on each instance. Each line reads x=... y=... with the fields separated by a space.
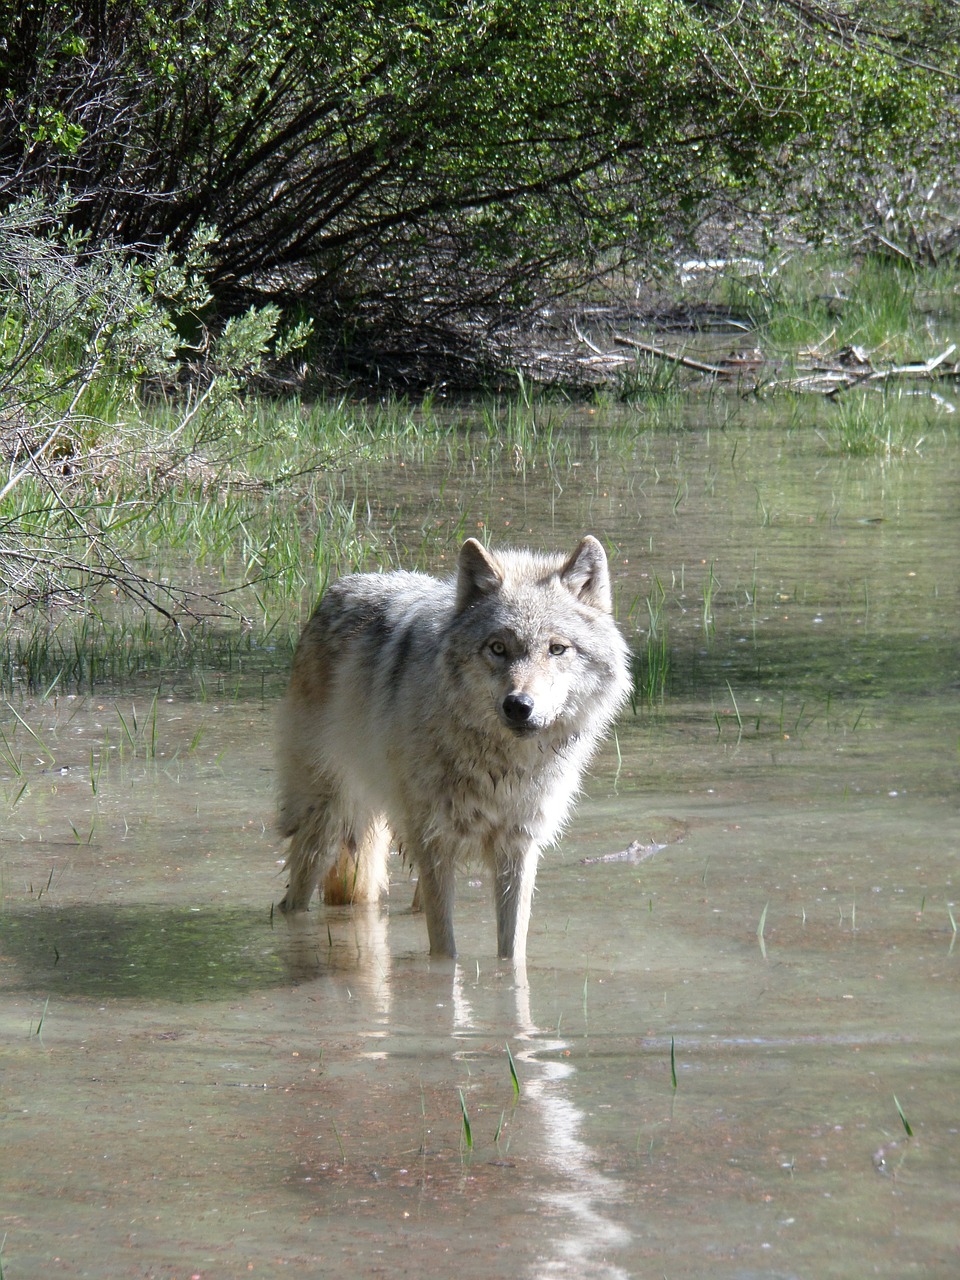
x=586 y=575
x=478 y=574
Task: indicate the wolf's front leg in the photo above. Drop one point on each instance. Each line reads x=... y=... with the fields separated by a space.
x=515 y=876
x=435 y=890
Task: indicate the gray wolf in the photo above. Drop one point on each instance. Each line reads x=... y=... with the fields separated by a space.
x=453 y=717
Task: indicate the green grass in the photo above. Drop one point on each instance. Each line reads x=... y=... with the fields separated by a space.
x=650 y=666
x=467 y=1128
x=648 y=378
x=513 y=1073
x=818 y=302
x=38 y=1030
x=761 y=930
x=872 y=424
x=336 y=1134
x=235 y=535
x=233 y=520
x=903 y=1119
x=117 y=649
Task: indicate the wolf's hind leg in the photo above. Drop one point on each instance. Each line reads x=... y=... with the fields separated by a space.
x=359 y=873
x=308 y=855
x=514 y=881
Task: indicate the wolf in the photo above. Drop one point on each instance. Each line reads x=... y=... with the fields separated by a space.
x=451 y=717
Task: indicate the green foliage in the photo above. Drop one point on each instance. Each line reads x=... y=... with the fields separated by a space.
x=874 y=425
x=411 y=163
x=824 y=301
x=81 y=328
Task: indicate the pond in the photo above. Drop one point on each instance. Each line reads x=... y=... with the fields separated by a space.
x=736 y=1036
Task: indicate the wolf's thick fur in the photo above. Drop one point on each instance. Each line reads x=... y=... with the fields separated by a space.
x=454 y=716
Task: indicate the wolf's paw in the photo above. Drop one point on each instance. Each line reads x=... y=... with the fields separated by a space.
x=288 y=907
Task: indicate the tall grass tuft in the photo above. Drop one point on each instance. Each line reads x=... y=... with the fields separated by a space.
x=650 y=666
x=866 y=425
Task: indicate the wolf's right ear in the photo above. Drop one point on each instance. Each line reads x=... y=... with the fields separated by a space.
x=478 y=574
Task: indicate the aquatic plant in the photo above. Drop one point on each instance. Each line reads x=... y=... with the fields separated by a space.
x=903 y=1119
x=761 y=930
x=467 y=1129
x=650 y=665
x=513 y=1073
x=874 y=425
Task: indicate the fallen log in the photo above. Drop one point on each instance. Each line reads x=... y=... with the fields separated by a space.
x=658 y=353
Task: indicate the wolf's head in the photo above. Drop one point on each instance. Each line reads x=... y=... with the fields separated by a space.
x=536 y=646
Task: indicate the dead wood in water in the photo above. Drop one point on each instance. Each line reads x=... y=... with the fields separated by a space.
x=646 y=348
x=832 y=380
x=847 y=368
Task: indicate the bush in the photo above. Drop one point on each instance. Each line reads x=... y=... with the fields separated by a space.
x=81 y=329
x=418 y=176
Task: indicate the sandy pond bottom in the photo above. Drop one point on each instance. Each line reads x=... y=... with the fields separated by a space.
x=191 y=1088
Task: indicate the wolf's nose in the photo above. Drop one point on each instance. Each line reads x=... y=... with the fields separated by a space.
x=518 y=707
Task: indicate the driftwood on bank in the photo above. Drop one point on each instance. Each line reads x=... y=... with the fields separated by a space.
x=850 y=367
x=831 y=380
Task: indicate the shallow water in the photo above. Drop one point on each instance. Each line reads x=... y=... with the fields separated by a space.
x=712 y=1035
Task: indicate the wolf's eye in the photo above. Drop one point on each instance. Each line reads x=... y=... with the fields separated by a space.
x=497 y=648
x=557 y=649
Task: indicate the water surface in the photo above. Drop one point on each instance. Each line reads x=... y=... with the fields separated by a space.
x=712 y=1035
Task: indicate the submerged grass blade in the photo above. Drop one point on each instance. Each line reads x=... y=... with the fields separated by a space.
x=33 y=734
